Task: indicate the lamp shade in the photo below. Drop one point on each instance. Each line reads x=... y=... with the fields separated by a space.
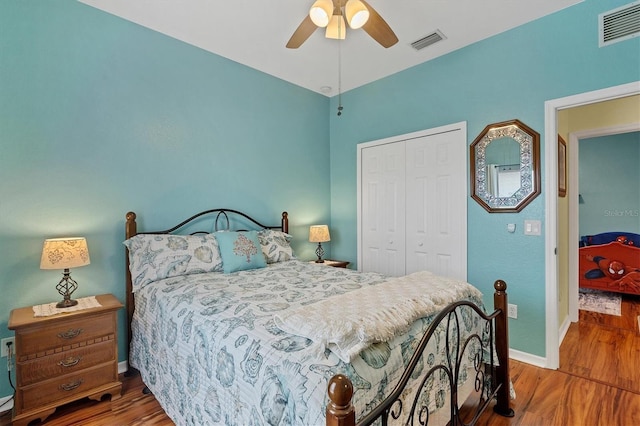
x=320 y=13
x=64 y=253
x=319 y=234
x=336 y=28
x=357 y=13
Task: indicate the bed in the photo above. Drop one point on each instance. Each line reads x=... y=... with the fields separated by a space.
x=610 y=261
x=221 y=342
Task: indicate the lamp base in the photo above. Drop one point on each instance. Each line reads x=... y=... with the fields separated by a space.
x=66 y=303
x=319 y=253
x=65 y=287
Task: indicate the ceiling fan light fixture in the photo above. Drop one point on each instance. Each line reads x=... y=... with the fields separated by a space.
x=357 y=13
x=336 y=28
x=321 y=12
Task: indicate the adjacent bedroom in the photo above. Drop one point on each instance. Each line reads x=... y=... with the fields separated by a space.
x=608 y=251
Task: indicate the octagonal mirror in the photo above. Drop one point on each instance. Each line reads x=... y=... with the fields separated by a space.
x=505 y=166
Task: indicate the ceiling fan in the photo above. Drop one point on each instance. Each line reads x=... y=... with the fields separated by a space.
x=330 y=14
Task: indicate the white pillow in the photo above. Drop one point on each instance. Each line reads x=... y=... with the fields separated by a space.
x=154 y=257
x=275 y=245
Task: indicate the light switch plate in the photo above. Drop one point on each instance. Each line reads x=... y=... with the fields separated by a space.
x=532 y=227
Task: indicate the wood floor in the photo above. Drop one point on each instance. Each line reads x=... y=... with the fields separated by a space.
x=605 y=348
x=598 y=384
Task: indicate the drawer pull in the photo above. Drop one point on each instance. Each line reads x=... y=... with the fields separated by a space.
x=71 y=386
x=70 y=334
x=70 y=361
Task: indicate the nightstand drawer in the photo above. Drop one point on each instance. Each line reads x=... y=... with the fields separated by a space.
x=63 y=335
x=68 y=386
x=67 y=362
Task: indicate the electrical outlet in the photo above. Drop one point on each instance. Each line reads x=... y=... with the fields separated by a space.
x=512 y=311
x=3 y=348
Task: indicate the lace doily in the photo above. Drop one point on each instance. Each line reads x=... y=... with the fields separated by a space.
x=49 y=309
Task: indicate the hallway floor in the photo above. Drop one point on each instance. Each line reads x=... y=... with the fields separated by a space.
x=605 y=348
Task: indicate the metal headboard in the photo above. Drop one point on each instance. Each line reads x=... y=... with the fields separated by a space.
x=220 y=214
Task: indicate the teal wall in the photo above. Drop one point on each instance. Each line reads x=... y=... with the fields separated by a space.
x=609 y=182
x=508 y=76
x=99 y=116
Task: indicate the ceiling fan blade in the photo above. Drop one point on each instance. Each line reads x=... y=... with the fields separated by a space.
x=302 y=33
x=378 y=28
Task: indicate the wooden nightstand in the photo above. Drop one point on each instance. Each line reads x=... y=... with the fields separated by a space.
x=64 y=357
x=334 y=263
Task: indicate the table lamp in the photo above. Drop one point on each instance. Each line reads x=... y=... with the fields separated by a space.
x=65 y=253
x=319 y=234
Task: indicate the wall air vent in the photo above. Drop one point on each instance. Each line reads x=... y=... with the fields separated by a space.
x=619 y=24
x=428 y=40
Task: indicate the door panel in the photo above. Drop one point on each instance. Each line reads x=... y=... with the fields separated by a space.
x=382 y=174
x=435 y=179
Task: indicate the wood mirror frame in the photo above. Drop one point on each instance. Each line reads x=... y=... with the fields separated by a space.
x=529 y=142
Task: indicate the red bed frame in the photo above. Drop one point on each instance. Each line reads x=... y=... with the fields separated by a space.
x=613 y=266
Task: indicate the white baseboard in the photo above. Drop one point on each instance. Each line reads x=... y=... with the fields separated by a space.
x=122 y=367
x=536 y=360
x=528 y=358
x=564 y=328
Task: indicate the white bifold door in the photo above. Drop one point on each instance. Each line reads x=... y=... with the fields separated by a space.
x=412 y=210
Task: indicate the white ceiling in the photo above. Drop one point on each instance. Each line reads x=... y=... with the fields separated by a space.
x=255 y=32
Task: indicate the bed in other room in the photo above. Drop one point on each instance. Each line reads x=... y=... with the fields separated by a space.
x=610 y=261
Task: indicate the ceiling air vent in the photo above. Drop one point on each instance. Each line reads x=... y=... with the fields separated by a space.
x=619 y=24
x=428 y=40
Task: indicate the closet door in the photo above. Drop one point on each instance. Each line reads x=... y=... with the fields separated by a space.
x=382 y=224
x=412 y=203
x=436 y=210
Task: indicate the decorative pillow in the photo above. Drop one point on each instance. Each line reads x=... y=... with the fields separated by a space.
x=154 y=257
x=275 y=245
x=240 y=251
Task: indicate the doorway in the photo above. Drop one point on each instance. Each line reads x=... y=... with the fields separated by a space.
x=574 y=225
x=554 y=319
x=599 y=345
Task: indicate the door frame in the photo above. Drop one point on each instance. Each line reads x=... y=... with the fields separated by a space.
x=552 y=325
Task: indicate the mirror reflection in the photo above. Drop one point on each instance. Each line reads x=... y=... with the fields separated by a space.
x=502 y=157
x=505 y=171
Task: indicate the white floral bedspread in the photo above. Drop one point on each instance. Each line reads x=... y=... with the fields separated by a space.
x=209 y=350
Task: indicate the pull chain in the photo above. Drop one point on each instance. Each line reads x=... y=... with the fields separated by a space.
x=340 y=66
